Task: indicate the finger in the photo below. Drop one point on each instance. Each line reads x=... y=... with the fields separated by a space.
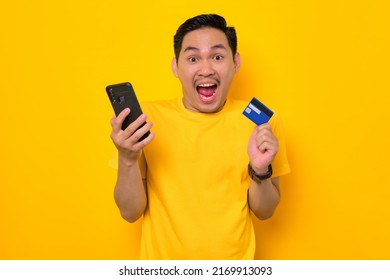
x=116 y=121
x=264 y=136
x=130 y=130
x=139 y=133
x=264 y=126
x=140 y=145
x=264 y=131
x=263 y=147
x=131 y=143
x=269 y=141
x=268 y=145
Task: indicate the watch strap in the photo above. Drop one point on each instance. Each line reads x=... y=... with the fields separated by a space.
x=258 y=178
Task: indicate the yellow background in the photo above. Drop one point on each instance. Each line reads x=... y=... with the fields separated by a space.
x=323 y=65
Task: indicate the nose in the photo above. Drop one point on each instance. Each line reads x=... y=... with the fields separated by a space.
x=206 y=69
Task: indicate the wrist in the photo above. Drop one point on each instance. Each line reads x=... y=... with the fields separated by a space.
x=126 y=161
x=259 y=175
x=259 y=171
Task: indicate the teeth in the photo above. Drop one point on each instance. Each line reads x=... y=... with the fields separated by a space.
x=206 y=85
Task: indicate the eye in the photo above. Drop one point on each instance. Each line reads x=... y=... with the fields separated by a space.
x=218 y=57
x=192 y=59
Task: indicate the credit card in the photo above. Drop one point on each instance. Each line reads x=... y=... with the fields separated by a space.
x=257 y=112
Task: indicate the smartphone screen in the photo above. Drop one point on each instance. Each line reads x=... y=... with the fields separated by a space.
x=123 y=96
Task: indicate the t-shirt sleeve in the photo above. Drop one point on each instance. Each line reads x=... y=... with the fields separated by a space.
x=280 y=163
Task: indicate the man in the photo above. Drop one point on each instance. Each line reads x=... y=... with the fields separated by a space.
x=189 y=178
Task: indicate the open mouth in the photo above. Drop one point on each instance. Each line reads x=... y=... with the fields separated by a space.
x=207 y=92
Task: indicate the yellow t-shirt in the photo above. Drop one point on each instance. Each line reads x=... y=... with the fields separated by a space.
x=197 y=183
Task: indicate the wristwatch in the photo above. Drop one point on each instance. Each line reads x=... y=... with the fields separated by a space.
x=258 y=178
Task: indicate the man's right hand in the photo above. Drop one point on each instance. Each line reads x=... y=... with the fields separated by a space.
x=126 y=141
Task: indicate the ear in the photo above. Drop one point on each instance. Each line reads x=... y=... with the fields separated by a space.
x=237 y=62
x=174 y=67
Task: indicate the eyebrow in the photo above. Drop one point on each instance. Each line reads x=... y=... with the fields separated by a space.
x=215 y=47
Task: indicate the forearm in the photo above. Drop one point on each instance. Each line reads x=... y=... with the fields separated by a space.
x=129 y=193
x=263 y=198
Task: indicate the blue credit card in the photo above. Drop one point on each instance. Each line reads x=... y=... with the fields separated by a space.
x=257 y=112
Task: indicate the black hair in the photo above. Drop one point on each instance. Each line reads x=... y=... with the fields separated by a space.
x=201 y=21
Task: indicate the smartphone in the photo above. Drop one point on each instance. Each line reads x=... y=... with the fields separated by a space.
x=123 y=96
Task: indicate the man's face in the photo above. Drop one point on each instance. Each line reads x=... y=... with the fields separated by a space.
x=205 y=68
